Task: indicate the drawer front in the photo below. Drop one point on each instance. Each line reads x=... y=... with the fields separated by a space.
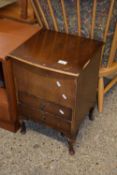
x=45 y=84
x=44 y=117
x=45 y=106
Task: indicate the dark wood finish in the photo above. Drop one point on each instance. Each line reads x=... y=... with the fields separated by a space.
x=46 y=48
x=43 y=88
x=12 y=34
x=43 y=105
x=56 y=80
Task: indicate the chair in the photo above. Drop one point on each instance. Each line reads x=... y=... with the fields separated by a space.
x=92 y=19
x=109 y=70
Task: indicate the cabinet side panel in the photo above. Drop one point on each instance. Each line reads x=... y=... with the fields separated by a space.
x=86 y=90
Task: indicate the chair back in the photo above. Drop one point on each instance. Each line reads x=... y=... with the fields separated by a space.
x=91 y=19
x=113 y=51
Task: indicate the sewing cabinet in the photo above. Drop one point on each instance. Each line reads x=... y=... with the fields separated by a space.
x=55 y=77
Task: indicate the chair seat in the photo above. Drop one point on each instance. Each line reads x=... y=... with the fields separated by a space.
x=104 y=72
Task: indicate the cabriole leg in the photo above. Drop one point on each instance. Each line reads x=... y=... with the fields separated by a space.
x=91 y=116
x=71 y=146
x=23 y=128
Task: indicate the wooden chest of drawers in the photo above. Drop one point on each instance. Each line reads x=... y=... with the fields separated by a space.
x=56 y=80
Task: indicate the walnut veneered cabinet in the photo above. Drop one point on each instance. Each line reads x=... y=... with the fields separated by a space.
x=56 y=78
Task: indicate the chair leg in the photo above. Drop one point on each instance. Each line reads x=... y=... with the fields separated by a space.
x=100 y=94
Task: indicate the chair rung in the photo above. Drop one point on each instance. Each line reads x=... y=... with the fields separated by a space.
x=110 y=85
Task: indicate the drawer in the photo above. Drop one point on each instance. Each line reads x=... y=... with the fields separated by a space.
x=47 y=85
x=44 y=117
x=44 y=106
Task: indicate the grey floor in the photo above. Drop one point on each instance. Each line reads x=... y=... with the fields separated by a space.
x=42 y=151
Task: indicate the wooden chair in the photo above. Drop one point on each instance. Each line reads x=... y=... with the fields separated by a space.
x=92 y=19
x=110 y=70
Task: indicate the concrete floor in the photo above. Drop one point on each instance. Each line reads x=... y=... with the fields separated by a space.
x=42 y=151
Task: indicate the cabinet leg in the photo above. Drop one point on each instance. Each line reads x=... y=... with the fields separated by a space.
x=62 y=134
x=91 y=116
x=23 y=128
x=71 y=146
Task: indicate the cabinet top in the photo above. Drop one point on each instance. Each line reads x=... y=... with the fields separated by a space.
x=57 y=52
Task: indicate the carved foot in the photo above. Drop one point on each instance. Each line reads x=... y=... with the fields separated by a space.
x=91 y=116
x=71 y=146
x=23 y=128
